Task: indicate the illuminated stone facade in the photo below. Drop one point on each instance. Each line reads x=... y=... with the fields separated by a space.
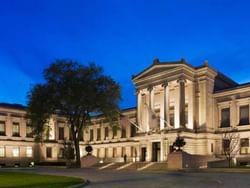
x=198 y=103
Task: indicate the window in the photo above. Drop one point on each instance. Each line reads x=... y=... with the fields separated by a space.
x=15 y=129
x=226 y=145
x=98 y=134
x=132 y=130
x=123 y=151
x=2 y=128
x=91 y=138
x=171 y=116
x=225 y=117
x=2 y=151
x=106 y=153
x=124 y=132
x=244 y=115
x=29 y=132
x=29 y=152
x=106 y=133
x=61 y=133
x=15 y=151
x=49 y=152
x=244 y=142
x=114 y=152
x=114 y=128
x=212 y=147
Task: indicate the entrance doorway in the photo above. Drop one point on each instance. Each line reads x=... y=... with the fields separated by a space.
x=156 y=151
x=143 y=154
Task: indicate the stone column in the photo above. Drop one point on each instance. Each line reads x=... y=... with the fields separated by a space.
x=166 y=104
x=150 y=107
x=182 y=102
x=176 y=107
x=139 y=106
x=191 y=106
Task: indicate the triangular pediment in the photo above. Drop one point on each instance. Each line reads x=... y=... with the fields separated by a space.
x=156 y=69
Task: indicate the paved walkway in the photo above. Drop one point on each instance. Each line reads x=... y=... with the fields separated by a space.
x=164 y=179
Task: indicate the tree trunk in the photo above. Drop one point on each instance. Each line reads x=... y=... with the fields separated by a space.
x=77 y=150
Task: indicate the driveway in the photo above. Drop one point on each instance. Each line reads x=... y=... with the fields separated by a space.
x=163 y=179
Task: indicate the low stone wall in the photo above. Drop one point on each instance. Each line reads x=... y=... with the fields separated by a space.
x=217 y=164
x=180 y=160
x=88 y=161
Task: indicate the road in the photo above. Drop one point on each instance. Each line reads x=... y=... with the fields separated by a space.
x=163 y=179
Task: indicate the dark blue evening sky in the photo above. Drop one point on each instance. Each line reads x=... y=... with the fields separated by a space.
x=123 y=36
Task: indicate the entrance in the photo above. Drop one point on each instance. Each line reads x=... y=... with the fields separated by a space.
x=143 y=154
x=156 y=151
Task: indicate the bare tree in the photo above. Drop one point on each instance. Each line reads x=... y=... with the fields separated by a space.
x=230 y=145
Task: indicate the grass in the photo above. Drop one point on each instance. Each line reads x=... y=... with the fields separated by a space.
x=26 y=180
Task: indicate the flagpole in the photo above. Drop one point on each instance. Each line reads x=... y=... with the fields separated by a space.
x=131 y=122
x=168 y=125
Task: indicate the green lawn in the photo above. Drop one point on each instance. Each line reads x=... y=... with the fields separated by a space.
x=25 y=180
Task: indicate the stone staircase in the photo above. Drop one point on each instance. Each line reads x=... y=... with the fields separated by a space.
x=137 y=165
x=157 y=166
x=114 y=166
x=99 y=165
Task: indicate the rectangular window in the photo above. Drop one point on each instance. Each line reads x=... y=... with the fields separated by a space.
x=244 y=142
x=114 y=128
x=15 y=152
x=29 y=132
x=106 y=133
x=132 y=131
x=98 y=134
x=244 y=115
x=49 y=152
x=2 y=151
x=226 y=145
x=15 y=129
x=244 y=145
x=124 y=131
x=212 y=147
x=29 y=151
x=106 y=153
x=91 y=138
x=123 y=151
x=171 y=116
x=225 y=117
x=2 y=128
x=61 y=133
x=114 y=152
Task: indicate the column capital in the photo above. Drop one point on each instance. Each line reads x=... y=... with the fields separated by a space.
x=150 y=88
x=181 y=80
x=137 y=91
x=164 y=84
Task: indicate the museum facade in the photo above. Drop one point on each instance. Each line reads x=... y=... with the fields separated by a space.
x=199 y=104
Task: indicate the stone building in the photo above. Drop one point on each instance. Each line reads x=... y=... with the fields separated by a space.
x=199 y=104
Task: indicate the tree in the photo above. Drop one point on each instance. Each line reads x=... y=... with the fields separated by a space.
x=76 y=92
x=230 y=145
